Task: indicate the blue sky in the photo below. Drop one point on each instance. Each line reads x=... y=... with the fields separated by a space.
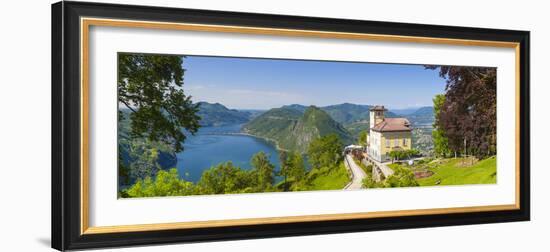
x=247 y=83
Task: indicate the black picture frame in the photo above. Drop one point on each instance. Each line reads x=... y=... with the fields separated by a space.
x=66 y=156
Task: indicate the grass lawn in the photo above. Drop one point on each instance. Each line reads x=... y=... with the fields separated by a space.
x=325 y=179
x=452 y=172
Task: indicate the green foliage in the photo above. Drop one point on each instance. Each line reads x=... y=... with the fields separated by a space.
x=145 y=162
x=226 y=178
x=151 y=87
x=368 y=182
x=166 y=183
x=140 y=157
x=297 y=170
x=440 y=141
x=328 y=171
x=223 y=178
x=401 y=177
x=264 y=170
x=467 y=116
x=123 y=171
x=325 y=151
x=285 y=168
x=293 y=130
x=294 y=171
x=403 y=154
x=363 y=137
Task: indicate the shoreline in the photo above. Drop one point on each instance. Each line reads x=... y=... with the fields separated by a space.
x=241 y=132
x=272 y=141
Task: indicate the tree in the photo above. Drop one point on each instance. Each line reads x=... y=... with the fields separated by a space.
x=225 y=178
x=403 y=154
x=441 y=143
x=286 y=166
x=264 y=170
x=401 y=177
x=297 y=169
x=363 y=137
x=123 y=171
x=394 y=155
x=368 y=182
x=145 y=161
x=325 y=151
x=151 y=87
x=468 y=115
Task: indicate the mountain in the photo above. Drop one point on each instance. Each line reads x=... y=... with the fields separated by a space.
x=347 y=113
x=273 y=124
x=297 y=107
x=293 y=130
x=424 y=111
x=423 y=116
x=215 y=114
x=404 y=111
x=344 y=113
x=253 y=112
x=354 y=117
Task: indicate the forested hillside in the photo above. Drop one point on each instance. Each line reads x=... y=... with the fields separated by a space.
x=292 y=130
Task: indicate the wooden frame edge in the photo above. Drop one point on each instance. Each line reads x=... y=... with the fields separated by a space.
x=86 y=22
x=290 y=32
x=289 y=219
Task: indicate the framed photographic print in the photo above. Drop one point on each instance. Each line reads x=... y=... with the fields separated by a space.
x=181 y=125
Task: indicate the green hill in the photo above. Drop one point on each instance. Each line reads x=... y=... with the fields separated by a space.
x=422 y=117
x=292 y=130
x=215 y=114
x=347 y=113
x=297 y=107
x=273 y=124
x=354 y=117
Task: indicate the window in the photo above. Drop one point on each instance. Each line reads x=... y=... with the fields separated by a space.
x=404 y=141
x=396 y=142
x=388 y=143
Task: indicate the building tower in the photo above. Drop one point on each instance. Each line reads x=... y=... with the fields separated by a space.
x=376 y=115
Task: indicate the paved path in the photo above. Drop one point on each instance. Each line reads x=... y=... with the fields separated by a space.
x=357 y=174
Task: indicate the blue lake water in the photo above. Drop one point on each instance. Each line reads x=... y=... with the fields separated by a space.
x=213 y=145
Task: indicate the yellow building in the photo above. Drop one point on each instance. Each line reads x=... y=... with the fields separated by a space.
x=387 y=134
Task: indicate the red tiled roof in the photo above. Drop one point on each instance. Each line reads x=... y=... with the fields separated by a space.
x=393 y=124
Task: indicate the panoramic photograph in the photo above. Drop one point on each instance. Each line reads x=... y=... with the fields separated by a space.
x=203 y=125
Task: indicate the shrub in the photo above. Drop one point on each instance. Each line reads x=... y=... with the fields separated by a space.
x=166 y=183
x=401 y=177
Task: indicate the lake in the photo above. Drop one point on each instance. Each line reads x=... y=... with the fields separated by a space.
x=213 y=145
